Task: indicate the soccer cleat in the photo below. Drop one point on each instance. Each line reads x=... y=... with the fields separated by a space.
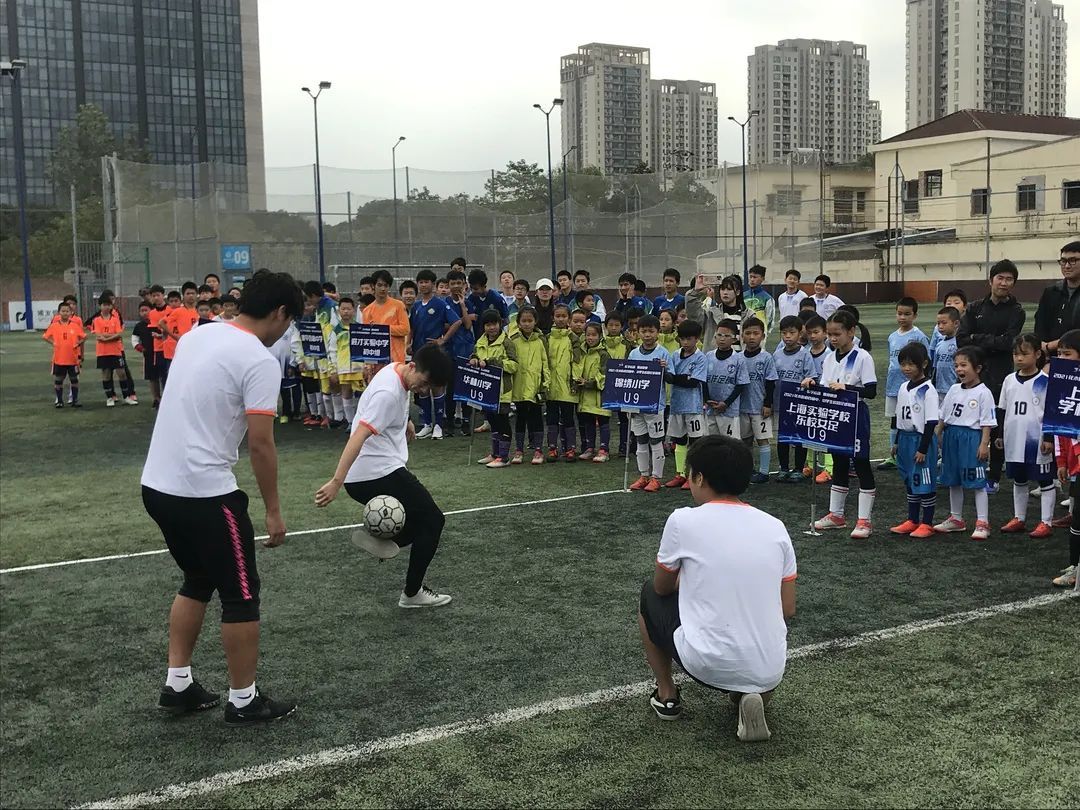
x=75 y=404
x=823 y=477
x=110 y=402
x=601 y=456
x=669 y=709
x=588 y=455
x=132 y=400
x=570 y=455
x=1066 y=504
x=192 y=699
x=640 y=484
x=308 y=421
x=752 y=725
x=686 y=484
x=324 y=423
x=1066 y=579
x=1014 y=526
x=261 y=710
x=375 y=546
x=887 y=464
x=676 y=482
x=951 y=524
x=1042 y=530
x=982 y=530
x=538 y=457
x=993 y=487
x=759 y=478
x=830 y=521
x=862 y=530
x=907 y=527
x=465 y=429
x=498 y=464
x=922 y=531
x=552 y=454
x=424 y=432
x=437 y=432
x=484 y=427
x=425 y=597
x=1063 y=522
x=487 y=459
x=653 y=485
x=518 y=457
x=58 y=404
x=807 y=472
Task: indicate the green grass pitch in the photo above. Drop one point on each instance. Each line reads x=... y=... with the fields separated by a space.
x=979 y=714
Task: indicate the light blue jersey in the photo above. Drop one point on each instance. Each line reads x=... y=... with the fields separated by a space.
x=898 y=340
x=794 y=367
x=760 y=367
x=657 y=354
x=818 y=360
x=688 y=400
x=944 y=370
x=723 y=374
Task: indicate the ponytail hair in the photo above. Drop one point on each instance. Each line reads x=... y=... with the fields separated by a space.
x=845 y=319
x=864 y=333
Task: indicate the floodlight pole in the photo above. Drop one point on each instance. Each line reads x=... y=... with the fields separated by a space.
x=318 y=179
x=745 y=227
x=393 y=165
x=566 y=213
x=555 y=102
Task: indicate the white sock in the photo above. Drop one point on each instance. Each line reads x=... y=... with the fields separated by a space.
x=1020 y=499
x=1048 y=495
x=179 y=678
x=982 y=505
x=658 y=460
x=242 y=697
x=837 y=496
x=644 y=455
x=320 y=405
x=866 y=503
x=956 y=502
x=339 y=407
x=313 y=404
x=350 y=408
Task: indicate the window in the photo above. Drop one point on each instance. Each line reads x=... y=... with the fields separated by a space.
x=1025 y=197
x=932 y=183
x=978 y=202
x=911 y=197
x=1070 y=194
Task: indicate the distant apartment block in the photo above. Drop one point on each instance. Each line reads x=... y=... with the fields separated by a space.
x=684 y=125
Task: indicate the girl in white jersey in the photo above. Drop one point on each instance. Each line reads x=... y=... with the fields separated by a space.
x=849 y=368
x=1028 y=454
x=915 y=449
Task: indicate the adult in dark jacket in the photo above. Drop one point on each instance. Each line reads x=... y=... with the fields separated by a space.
x=1059 y=306
x=993 y=324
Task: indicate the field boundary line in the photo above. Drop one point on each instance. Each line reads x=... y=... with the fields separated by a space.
x=351 y=753
x=301 y=532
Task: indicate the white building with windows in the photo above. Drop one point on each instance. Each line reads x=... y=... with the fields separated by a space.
x=684 y=125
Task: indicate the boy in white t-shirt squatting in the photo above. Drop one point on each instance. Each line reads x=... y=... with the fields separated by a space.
x=719 y=600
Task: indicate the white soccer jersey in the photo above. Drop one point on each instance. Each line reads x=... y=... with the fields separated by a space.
x=916 y=406
x=384 y=410
x=854 y=368
x=969 y=407
x=1023 y=402
x=788 y=303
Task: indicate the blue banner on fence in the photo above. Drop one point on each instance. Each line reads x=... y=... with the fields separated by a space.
x=818 y=418
x=479 y=387
x=633 y=385
x=1062 y=414
x=311 y=339
x=369 y=342
x=236 y=257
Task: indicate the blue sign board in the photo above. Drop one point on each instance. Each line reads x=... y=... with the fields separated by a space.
x=818 y=418
x=479 y=387
x=311 y=339
x=369 y=342
x=236 y=257
x=633 y=385
x=1062 y=414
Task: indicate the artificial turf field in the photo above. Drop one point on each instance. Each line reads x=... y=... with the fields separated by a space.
x=416 y=708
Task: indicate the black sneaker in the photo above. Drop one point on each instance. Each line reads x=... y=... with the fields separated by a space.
x=260 y=710
x=192 y=699
x=58 y=404
x=76 y=404
x=465 y=429
x=666 y=709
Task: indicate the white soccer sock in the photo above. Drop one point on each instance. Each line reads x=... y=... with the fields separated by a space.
x=956 y=502
x=242 y=697
x=350 y=408
x=313 y=404
x=1048 y=495
x=179 y=678
x=1020 y=499
x=982 y=505
x=644 y=455
x=837 y=496
x=657 y=460
x=339 y=407
x=320 y=405
x=866 y=503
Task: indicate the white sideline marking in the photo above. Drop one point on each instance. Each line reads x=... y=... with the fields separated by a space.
x=62 y=563
x=352 y=753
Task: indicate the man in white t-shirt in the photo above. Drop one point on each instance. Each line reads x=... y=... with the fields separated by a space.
x=373 y=463
x=226 y=385
x=720 y=597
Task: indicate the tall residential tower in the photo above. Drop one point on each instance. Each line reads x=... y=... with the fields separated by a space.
x=684 y=125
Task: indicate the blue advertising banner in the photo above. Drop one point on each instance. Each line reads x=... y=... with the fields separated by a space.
x=479 y=387
x=236 y=257
x=818 y=418
x=311 y=338
x=633 y=385
x=369 y=342
x=1062 y=414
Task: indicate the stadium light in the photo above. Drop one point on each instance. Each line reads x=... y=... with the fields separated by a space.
x=745 y=245
x=318 y=178
x=567 y=260
x=12 y=70
x=555 y=102
x=393 y=164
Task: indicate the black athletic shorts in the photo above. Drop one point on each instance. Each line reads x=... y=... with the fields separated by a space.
x=661 y=615
x=111 y=362
x=65 y=371
x=213 y=542
x=158 y=368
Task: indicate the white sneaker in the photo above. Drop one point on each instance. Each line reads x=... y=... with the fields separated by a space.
x=436 y=433
x=862 y=530
x=425 y=432
x=382 y=549
x=425 y=597
x=131 y=400
x=752 y=725
x=486 y=459
x=951 y=524
x=830 y=521
x=1066 y=503
x=110 y=403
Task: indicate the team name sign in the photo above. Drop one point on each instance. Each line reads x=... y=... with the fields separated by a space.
x=818 y=418
x=369 y=342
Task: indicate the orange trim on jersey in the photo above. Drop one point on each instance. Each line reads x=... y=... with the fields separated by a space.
x=237 y=326
x=257 y=412
x=789 y=579
x=669 y=570
x=374 y=432
x=397 y=370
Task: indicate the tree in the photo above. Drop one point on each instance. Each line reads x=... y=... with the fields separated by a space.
x=521 y=188
x=79 y=148
x=423 y=195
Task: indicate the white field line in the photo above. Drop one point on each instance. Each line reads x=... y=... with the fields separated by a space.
x=352 y=753
x=63 y=563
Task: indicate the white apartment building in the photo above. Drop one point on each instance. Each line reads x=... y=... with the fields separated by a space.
x=999 y=55
x=811 y=93
x=684 y=125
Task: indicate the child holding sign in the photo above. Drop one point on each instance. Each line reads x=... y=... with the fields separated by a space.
x=686 y=375
x=915 y=450
x=648 y=428
x=349 y=376
x=1068 y=464
x=591 y=415
x=495 y=349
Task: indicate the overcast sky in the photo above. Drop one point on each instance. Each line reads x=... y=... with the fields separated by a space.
x=458 y=79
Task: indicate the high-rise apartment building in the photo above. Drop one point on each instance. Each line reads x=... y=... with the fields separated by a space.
x=998 y=55
x=606 y=107
x=178 y=76
x=811 y=93
x=684 y=125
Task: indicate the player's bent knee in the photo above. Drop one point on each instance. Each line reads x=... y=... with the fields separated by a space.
x=236 y=609
x=196 y=588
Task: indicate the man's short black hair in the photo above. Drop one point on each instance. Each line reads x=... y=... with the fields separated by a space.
x=640 y=286
x=369 y=280
x=455 y=275
x=791 y=322
x=312 y=289
x=793 y=272
x=459 y=262
x=204 y=288
x=648 y=322
x=265 y=292
x=952 y=312
x=910 y=303
x=443 y=280
x=583 y=273
x=156 y=288
x=824 y=278
x=808 y=303
x=1005 y=268
x=169 y=297
x=490 y=316
x=214 y=302
x=1072 y=247
x=210 y=276
x=688 y=328
x=432 y=361
x=627 y=278
x=521 y=282
x=756 y=270
x=345 y=299
x=189 y=285
x=671 y=272
x=329 y=287
x=477 y=278
x=725 y=463
x=562 y=273
x=407 y=284
x=383 y=276
x=426 y=275
x=957 y=293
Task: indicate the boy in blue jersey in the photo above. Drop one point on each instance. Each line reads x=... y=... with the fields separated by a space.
x=482 y=299
x=957 y=299
x=948 y=322
x=627 y=299
x=648 y=428
x=431 y=320
x=672 y=298
x=757 y=400
x=816 y=342
x=907 y=309
x=687 y=375
x=461 y=345
x=726 y=379
x=793 y=365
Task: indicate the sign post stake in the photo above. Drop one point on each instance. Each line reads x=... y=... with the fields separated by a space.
x=811 y=531
x=626 y=463
x=472 y=435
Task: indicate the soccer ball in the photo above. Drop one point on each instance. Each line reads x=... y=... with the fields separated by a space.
x=384 y=517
